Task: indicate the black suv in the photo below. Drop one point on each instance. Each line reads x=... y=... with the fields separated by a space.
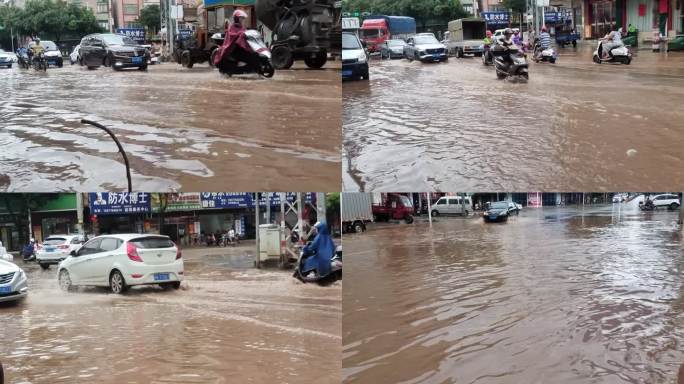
x=111 y=50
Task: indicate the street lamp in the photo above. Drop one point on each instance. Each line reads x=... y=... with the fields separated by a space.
x=118 y=144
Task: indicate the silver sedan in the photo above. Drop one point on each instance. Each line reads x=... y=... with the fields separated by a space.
x=13 y=282
x=392 y=48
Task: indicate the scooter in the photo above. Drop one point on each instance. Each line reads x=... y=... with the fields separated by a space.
x=28 y=253
x=40 y=62
x=230 y=66
x=312 y=276
x=617 y=55
x=547 y=55
x=647 y=206
x=510 y=62
x=23 y=60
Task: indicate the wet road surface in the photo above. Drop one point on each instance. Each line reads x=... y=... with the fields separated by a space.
x=553 y=296
x=181 y=128
x=227 y=321
x=575 y=125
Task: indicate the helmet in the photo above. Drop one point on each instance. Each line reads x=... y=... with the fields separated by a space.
x=508 y=32
x=37 y=40
x=489 y=33
x=239 y=13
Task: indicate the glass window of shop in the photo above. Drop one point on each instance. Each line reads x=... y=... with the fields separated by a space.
x=603 y=18
x=57 y=225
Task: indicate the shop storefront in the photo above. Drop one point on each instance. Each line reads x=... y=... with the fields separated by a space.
x=600 y=17
x=119 y=212
x=54 y=216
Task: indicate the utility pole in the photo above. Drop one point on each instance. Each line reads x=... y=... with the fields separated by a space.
x=321 y=212
x=429 y=209
x=256 y=225
x=79 y=213
x=681 y=213
x=268 y=208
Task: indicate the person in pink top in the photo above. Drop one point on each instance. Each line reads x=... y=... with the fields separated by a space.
x=235 y=43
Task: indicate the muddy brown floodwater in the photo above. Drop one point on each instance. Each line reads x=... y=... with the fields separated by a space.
x=576 y=125
x=180 y=128
x=556 y=295
x=228 y=323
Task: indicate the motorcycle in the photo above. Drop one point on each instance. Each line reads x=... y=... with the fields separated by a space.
x=647 y=206
x=312 y=276
x=510 y=62
x=231 y=66
x=40 y=62
x=617 y=55
x=28 y=253
x=23 y=60
x=544 y=55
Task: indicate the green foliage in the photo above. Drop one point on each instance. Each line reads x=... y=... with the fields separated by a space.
x=518 y=6
x=49 y=19
x=150 y=17
x=423 y=11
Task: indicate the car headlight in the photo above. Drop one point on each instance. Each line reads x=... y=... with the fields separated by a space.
x=362 y=58
x=421 y=52
x=22 y=275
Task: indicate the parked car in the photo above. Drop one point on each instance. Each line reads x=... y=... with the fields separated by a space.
x=6 y=60
x=112 y=50
x=56 y=248
x=452 y=205
x=73 y=56
x=52 y=54
x=13 y=282
x=425 y=47
x=497 y=212
x=619 y=197
x=668 y=200
x=499 y=33
x=354 y=57
x=392 y=48
x=514 y=207
x=123 y=260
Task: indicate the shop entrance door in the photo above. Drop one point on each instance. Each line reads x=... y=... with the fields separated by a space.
x=603 y=18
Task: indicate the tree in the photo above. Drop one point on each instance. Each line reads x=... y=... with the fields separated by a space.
x=150 y=17
x=53 y=19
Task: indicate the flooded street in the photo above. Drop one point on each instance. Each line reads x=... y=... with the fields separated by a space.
x=228 y=320
x=556 y=295
x=574 y=125
x=181 y=129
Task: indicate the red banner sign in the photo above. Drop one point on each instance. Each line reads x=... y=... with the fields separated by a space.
x=642 y=10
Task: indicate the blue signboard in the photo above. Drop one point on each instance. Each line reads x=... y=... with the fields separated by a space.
x=117 y=203
x=551 y=17
x=496 y=18
x=137 y=34
x=185 y=33
x=244 y=200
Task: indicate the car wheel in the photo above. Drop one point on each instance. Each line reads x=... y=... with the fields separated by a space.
x=674 y=206
x=117 y=283
x=435 y=213
x=65 y=281
x=358 y=228
x=44 y=266
x=107 y=61
x=408 y=219
x=459 y=53
x=144 y=68
x=466 y=213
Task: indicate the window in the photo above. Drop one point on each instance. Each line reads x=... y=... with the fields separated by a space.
x=109 y=244
x=153 y=242
x=130 y=9
x=102 y=8
x=93 y=246
x=441 y=202
x=77 y=240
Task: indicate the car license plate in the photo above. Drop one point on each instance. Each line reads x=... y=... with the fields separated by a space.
x=492 y=217
x=346 y=73
x=49 y=249
x=137 y=60
x=7 y=289
x=161 y=276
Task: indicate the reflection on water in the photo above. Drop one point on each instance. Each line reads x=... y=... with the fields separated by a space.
x=179 y=128
x=226 y=322
x=553 y=296
x=575 y=125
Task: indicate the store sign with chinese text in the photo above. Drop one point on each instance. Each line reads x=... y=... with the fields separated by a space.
x=496 y=18
x=137 y=34
x=118 y=203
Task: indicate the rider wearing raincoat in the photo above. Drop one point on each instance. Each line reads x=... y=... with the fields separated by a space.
x=235 y=43
x=323 y=250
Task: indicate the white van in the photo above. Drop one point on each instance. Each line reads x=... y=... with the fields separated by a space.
x=452 y=205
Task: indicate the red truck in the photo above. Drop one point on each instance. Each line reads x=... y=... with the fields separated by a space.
x=394 y=207
x=377 y=29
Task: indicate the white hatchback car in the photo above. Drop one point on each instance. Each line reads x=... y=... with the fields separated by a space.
x=666 y=200
x=122 y=260
x=56 y=248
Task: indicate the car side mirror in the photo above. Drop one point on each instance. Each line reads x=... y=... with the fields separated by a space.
x=364 y=44
x=73 y=253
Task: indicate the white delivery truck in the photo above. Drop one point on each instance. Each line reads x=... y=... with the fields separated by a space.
x=357 y=210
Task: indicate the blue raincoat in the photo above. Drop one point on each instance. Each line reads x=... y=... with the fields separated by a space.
x=323 y=249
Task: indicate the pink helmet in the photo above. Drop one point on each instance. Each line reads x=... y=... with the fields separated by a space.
x=239 y=13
